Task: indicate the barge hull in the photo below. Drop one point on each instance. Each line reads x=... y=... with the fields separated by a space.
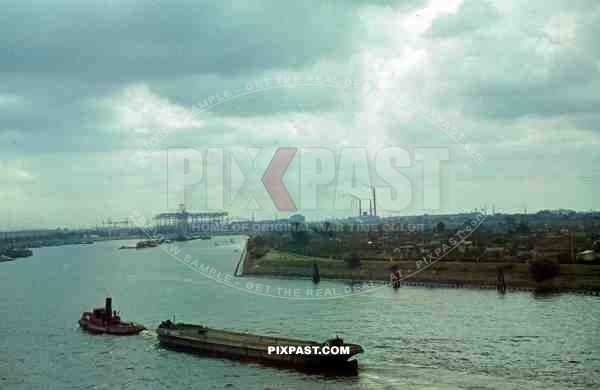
x=248 y=347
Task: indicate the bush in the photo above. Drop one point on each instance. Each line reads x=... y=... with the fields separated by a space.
x=352 y=260
x=260 y=252
x=542 y=270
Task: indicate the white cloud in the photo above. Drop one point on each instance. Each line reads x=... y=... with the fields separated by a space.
x=137 y=108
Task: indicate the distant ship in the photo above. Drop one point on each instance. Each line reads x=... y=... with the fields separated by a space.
x=15 y=252
x=105 y=320
x=146 y=244
x=4 y=258
x=244 y=346
x=183 y=237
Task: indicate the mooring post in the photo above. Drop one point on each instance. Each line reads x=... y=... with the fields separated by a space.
x=501 y=282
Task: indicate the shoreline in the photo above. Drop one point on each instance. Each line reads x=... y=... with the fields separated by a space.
x=574 y=278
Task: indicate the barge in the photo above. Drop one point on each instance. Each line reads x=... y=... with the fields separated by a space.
x=248 y=347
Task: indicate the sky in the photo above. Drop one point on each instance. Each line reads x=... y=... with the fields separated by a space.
x=85 y=85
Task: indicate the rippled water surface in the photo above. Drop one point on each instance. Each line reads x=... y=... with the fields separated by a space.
x=414 y=338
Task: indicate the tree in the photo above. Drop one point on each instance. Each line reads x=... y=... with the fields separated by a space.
x=440 y=227
x=522 y=228
x=260 y=252
x=299 y=236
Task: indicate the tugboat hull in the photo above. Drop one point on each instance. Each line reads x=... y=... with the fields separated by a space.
x=119 y=330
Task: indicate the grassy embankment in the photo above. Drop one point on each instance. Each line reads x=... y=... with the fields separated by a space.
x=578 y=277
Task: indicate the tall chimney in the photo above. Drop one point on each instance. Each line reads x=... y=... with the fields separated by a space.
x=360 y=207
x=374 y=202
x=370 y=207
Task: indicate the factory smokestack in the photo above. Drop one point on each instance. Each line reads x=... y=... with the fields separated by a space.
x=374 y=203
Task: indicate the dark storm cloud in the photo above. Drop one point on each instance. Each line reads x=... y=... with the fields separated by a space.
x=60 y=57
x=44 y=104
x=134 y=40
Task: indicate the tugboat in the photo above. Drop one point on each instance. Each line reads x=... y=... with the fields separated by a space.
x=105 y=320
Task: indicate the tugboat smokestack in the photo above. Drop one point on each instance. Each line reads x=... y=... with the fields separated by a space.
x=108 y=308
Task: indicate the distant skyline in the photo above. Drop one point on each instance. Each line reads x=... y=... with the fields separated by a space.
x=108 y=222
x=83 y=87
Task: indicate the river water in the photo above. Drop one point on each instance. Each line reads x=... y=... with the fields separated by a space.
x=414 y=338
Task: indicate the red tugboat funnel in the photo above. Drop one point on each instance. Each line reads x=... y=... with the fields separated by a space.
x=108 y=308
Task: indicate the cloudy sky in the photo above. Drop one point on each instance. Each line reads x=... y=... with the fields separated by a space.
x=84 y=85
